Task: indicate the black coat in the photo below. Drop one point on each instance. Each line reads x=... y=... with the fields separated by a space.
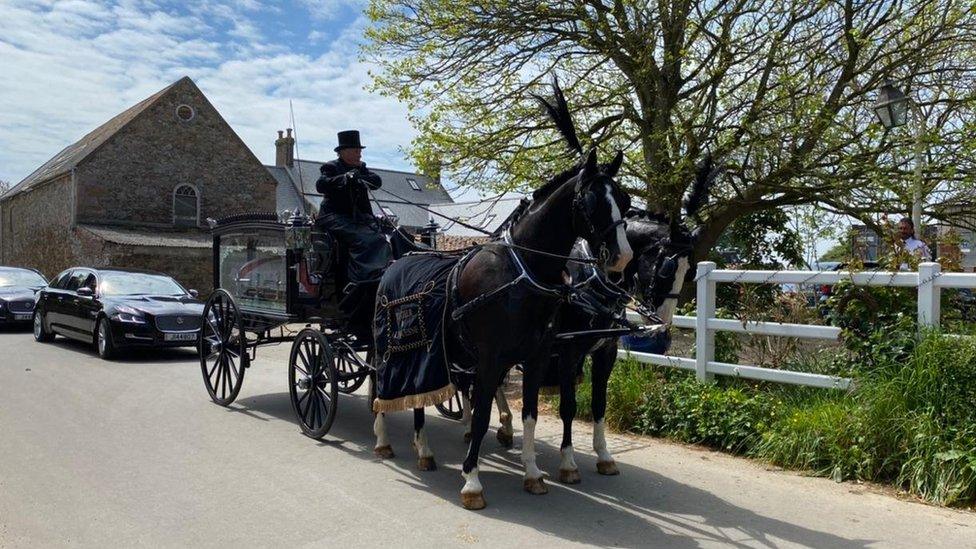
x=346 y=194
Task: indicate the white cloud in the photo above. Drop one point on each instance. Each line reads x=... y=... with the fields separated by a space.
x=58 y=85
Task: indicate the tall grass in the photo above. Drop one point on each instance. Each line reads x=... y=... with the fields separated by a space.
x=910 y=421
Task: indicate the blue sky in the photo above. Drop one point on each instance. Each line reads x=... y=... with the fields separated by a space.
x=70 y=65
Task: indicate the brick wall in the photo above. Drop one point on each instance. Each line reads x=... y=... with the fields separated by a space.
x=130 y=179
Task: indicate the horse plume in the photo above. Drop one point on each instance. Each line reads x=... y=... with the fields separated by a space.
x=559 y=112
x=705 y=174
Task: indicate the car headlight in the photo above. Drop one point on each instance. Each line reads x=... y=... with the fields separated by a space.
x=128 y=314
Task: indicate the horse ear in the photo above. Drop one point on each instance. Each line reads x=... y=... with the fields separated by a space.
x=614 y=166
x=589 y=165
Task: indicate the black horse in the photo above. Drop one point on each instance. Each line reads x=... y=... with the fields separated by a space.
x=508 y=293
x=662 y=258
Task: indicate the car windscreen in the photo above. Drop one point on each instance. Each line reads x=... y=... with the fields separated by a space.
x=114 y=284
x=20 y=278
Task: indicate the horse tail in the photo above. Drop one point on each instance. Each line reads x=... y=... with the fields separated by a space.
x=558 y=110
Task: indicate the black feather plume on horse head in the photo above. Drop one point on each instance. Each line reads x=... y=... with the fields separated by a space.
x=558 y=111
x=705 y=174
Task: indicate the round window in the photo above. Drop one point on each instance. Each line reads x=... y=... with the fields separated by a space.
x=185 y=113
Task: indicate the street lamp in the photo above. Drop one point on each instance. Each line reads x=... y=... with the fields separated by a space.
x=892 y=108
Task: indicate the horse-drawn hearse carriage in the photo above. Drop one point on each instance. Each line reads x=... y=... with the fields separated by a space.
x=275 y=270
x=446 y=329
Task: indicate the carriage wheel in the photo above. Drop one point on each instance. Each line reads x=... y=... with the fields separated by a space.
x=223 y=348
x=452 y=408
x=312 y=382
x=347 y=363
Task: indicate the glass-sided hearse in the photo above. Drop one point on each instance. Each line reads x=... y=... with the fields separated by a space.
x=271 y=272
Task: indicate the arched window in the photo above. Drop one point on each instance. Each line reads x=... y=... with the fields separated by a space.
x=186 y=206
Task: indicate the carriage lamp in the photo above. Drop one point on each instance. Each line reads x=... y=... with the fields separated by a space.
x=891 y=106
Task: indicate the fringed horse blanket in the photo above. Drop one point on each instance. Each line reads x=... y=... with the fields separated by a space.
x=411 y=368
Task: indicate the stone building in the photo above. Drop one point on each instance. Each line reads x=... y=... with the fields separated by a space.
x=136 y=192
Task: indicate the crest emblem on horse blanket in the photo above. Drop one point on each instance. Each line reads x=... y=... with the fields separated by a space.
x=408 y=325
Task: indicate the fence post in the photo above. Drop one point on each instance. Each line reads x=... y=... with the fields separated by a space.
x=704 y=309
x=929 y=296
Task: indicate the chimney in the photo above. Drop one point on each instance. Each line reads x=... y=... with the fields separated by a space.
x=284 y=149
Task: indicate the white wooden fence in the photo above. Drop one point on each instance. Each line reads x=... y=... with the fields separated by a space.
x=929 y=280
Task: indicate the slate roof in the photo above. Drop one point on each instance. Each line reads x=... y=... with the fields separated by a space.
x=487 y=214
x=136 y=237
x=304 y=174
x=73 y=154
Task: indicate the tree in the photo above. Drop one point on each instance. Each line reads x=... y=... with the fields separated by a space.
x=780 y=91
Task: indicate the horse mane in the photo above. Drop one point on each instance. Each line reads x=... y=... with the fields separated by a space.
x=705 y=175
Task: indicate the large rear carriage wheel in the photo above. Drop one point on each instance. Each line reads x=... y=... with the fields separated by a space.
x=312 y=382
x=223 y=348
x=452 y=408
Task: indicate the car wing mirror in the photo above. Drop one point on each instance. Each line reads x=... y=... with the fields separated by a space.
x=194 y=293
x=85 y=291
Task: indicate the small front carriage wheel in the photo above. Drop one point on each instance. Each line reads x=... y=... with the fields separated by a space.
x=312 y=382
x=222 y=348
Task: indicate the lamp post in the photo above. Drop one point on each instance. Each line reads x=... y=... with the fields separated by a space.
x=892 y=108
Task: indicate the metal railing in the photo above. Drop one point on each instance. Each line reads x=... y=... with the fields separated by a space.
x=929 y=281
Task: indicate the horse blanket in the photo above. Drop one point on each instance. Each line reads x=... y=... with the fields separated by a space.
x=411 y=363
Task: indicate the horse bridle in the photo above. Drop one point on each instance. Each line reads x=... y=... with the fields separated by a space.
x=579 y=208
x=669 y=263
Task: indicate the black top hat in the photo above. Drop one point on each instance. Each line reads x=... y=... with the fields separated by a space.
x=349 y=139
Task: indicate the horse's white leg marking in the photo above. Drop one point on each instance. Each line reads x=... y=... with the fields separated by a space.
x=379 y=429
x=626 y=253
x=568 y=462
x=532 y=472
x=471 y=483
x=420 y=442
x=600 y=442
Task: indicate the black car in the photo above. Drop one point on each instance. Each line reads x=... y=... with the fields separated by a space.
x=17 y=289
x=116 y=309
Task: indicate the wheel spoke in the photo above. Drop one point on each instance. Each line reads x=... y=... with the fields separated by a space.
x=299 y=368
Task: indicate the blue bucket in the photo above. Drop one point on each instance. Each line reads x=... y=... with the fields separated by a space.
x=653 y=343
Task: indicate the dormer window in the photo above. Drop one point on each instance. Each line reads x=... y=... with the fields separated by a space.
x=413 y=184
x=186 y=206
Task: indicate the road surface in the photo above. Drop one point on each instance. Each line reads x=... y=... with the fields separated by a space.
x=133 y=453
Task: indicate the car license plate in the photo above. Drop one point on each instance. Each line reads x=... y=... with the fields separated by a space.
x=22 y=317
x=180 y=337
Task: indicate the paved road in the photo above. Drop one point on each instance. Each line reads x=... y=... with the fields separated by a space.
x=132 y=453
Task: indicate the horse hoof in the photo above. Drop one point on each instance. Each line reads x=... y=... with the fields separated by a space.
x=505 y=439
x=473 y=501
x=384 y=452
x=426 y=464
x=607 y=468
x=467 y=438
x=535 y=486
x=569 y=476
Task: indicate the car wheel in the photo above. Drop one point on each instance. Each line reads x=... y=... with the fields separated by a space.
x=103 y=341
x=40 y=332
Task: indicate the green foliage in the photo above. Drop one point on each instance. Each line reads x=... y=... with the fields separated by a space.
x=838 y=252
x=763 y=239
x=910 y=421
